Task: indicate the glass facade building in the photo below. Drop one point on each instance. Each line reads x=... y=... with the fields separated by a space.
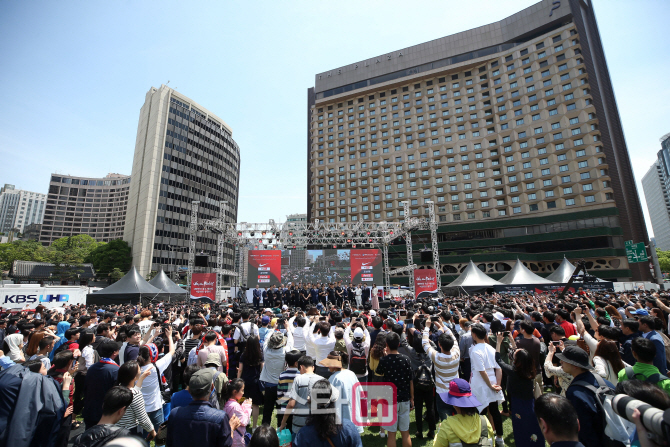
x=511 y=129
x=183 y=153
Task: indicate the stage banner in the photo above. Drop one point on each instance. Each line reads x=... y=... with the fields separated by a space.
x=203 y=287
x=366 y=266
x=264 y=268
x=425 y=283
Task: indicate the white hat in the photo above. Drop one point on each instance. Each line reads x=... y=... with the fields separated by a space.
x=267 y=309
x=284 y=307
x=373 y=313
x=358 y=333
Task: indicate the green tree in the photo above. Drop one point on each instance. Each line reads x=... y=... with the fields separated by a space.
x=68 y=254
x=664 y=260
x=114 y=255
x=21 y=251
x=115 y=274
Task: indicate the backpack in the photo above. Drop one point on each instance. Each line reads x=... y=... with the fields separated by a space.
x=617 y=429
x=244 y=336
x=63 y=347
x=653 y=379
x=358 y=361
x=214 y=395
x=484 y=440
x=423 y=378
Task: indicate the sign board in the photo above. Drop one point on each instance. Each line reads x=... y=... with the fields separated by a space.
x=203 y=287
x=51 y=297
x=425 y=283
x=264 y=268
x=366 y=266
x=636 y=252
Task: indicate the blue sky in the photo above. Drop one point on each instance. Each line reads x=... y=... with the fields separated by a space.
x=74 y=75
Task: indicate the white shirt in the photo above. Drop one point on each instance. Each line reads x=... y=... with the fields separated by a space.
x=483 y=358
x=298 y=335
x=247 y=329
x=322 y=345
x=145 y=326
x=151 y=390
x=274 y=360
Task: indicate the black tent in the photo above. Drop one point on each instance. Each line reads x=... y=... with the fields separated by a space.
x=166 y=286
x=132 y=288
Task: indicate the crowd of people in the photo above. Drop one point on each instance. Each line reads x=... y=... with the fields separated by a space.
x=284 y=371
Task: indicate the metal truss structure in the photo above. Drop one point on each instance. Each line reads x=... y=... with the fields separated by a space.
x=300 y=235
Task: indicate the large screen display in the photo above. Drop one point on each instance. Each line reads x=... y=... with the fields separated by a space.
x=332 y=265
x=264 y=268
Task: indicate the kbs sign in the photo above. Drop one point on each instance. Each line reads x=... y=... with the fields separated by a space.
x=264 y=268
x=203 y=286
x=366 y=266
x=425 y=283
x=374 y=404
x=13 y=297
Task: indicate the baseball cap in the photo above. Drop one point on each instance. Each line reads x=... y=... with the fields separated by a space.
x=201 y=381
x=358 y=333
x=373 y=313
x=212 y=359
x=265 y=319
x=284 y=307
x=267 y=309
x=641 y=312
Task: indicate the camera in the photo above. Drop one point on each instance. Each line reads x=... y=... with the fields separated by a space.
x=656 y=421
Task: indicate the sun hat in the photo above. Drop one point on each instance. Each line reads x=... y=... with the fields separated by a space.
x=460 y=395
x=576 y=356
x=276 y=341
x=332 y=361
x=213 y=359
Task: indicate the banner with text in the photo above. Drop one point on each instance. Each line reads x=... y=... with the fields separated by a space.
x=203 y=287
x=425 y=283
x=366 y=266
x=264 y=268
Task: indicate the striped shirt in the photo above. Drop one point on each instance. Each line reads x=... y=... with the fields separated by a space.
x=286 y=379
x=446 y=365
x=136 y=414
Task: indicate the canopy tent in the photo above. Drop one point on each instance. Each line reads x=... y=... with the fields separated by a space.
x=132 y=288
x=563 y=273
x=472 y=276
x=166 y=285
x=520 y=274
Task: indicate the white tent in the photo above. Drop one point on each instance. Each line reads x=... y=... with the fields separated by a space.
x=520 y=274
x=563 y=273
x=473 y=277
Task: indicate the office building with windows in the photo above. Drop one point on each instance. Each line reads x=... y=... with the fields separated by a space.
x=85 y=205
x=656 y=186
x=183 y=153
x=19 y=208
x=511 y=129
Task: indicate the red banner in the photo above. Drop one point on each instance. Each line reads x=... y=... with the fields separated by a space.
x=264 y=268
x=366 y=266
x=203 y=286
x=425 y=283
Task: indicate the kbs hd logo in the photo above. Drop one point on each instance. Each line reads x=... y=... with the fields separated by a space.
x=374 y=404
x=28 y=299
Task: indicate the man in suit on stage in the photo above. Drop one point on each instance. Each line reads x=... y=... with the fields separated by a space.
x=257 y=296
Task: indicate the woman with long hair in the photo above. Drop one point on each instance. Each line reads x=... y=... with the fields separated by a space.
x=87 y=359
x=614 y=315
x=322 y=428
x=237 y=405
x=251 y=365
x=607 y=360
x=131 y=377
x=520 y=385
x=658 y=313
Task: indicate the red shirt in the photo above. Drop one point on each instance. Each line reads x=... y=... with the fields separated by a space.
x=569 y=328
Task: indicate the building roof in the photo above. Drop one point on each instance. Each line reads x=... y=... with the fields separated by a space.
x=520 y=274
x=473 y=277
x=44 y=270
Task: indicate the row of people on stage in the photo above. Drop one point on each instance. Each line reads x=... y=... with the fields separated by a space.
x=301 y=295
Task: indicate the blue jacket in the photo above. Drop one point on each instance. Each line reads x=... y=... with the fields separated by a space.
x=659 y=360
x=198 y=424
x=31 y=408
x=590 y=417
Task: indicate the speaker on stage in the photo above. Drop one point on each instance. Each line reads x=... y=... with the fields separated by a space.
x=426 y=255
x=201 y=260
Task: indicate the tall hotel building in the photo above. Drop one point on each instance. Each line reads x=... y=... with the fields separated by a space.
x=512 y=130
x=183 y=153
x=85 y=205
x=19 y=208
x=656 y=186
